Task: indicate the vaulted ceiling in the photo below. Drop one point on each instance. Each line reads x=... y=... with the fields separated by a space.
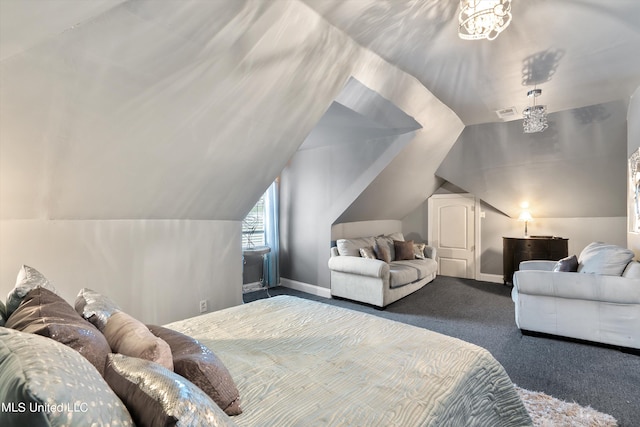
x=579 y=52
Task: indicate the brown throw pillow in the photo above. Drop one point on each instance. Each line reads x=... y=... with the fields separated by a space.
x=131 y=337
x=44 y=313
x=201 y=366
x=404 y=250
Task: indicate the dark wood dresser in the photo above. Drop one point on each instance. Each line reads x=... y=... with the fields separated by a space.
x=517 y=249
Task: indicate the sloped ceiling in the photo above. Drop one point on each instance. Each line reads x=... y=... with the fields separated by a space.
x=580 y=52
x=147 y=109
x=575 y=168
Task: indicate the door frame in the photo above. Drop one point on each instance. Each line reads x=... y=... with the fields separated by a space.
x=477 y=214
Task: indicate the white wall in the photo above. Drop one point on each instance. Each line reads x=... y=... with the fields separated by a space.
x=136 y=137
x=350 y=230
x=156 y=270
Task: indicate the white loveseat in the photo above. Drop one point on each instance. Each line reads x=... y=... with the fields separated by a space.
x=598 y=300
x=377 y=281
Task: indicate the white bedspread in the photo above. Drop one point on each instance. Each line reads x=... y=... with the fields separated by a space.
x=303 y=363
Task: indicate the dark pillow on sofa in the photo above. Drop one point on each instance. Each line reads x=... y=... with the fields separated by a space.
x=37 y=371
x=155 y=396
x=568 y=264
x=404 y=250
x=44 y=313
x=382 y=252
x=201 y=366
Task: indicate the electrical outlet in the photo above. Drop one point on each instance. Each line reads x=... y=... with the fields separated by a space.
x=203 y=306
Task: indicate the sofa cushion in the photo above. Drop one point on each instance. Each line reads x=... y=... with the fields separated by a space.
x=403 y=250
x=351 y=247
x=402 y=274
x=605 y=259
x=424 y=267
x=418 y=250
x=568 y=264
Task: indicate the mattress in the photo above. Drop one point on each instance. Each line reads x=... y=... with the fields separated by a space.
x=298 y=362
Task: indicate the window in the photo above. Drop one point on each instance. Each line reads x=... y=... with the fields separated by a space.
x=253 y=226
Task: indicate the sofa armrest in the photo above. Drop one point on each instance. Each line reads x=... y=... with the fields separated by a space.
x=430 y=252
x=540 y=265
x=360 y=266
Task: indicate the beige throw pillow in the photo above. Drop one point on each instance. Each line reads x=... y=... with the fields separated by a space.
x=127 y=335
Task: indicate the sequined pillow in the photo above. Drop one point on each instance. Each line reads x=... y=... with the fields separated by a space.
x=45 y=383
x=201 y=366
x=418 y=250
x=28 y=278
x=95 y=307
x=367 y=252
x=44 y=313
x=156 y=396
x=131 y=337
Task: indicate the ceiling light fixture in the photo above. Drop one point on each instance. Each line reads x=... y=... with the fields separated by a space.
x=483 y=19
x=535 y=116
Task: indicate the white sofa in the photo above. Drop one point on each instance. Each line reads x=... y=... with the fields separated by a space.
x=374 y=281
x=599 y=302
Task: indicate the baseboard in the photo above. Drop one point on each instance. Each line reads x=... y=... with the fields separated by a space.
x=495 y=278
x=306 y=287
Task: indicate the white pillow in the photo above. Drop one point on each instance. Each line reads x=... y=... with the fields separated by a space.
x=601 y=258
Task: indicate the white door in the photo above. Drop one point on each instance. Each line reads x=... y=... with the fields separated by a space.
x=451 y=229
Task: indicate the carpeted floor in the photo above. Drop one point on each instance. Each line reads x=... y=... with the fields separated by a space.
x=482 y=313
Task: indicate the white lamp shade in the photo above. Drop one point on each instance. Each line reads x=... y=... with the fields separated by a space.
x=525 y=216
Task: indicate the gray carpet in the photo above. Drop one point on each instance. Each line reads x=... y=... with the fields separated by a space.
x=482 y=313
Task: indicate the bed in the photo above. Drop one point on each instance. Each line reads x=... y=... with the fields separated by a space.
x=303 y=363
x=282 y=361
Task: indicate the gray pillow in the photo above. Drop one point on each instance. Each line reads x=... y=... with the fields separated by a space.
x=28 y=278
x=605 y=259
x=568 y=264
x=36 y=371
x=155 y=396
